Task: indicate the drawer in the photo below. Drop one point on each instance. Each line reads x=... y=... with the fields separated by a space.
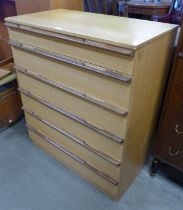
x=96 y=85
x=82 y=168
x=92 y=55
x=91 y=137
x=67 y=141
x=110 y=121
x=72 y=91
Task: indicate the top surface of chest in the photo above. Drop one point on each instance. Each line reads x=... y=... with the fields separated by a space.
x=118 y=31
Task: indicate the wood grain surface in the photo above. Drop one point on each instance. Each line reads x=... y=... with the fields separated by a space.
x=118 y=31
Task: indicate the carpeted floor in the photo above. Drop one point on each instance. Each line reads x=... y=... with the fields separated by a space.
x=31 y=180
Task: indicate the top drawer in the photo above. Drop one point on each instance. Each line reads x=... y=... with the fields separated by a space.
x=100 y=58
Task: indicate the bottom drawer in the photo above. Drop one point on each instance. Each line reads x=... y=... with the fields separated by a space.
x=77 y=165
x=109 y=170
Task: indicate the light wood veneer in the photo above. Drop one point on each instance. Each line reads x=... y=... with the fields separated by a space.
x=91 y=87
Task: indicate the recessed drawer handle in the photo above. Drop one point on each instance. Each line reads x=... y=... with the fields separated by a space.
x=173 y=154
x=177 y=131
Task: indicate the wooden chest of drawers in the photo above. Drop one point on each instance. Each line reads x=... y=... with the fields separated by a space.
x=91 y=86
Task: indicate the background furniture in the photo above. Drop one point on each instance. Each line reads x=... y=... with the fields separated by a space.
x=168 y=147
x=108 y=7
x=10 y=101
x=147 y=9
x=10 y=8
x=100 y=6
x=25 y=7
x=5 y=51
x=175 y=14
x=100 y=115
x=7 y=9
x=134 y=8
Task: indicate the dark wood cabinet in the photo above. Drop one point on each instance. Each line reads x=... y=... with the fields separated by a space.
x=172 y=131
x=168 y=147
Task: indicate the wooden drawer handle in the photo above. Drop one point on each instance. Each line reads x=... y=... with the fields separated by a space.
x=177 y=131
x=100 y=45
x=72 y=155
x=73 y=116
x=72 y=91
x=74 y=138
x=173 y=154
x=93 y=68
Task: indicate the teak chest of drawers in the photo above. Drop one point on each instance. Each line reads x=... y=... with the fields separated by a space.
x=91 y=86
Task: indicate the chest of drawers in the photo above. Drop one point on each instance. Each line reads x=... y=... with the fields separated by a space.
x=91 y=86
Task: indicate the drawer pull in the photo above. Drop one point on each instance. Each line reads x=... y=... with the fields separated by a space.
x=93 y=68
x=73 y=117
x=121 y=50
x=73 y=156
x=173 y=154
x=72 y=91
x=177 y=131
x=74 y=138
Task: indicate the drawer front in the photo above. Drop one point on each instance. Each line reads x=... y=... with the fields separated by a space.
x=89 y=136
x=75 y=165
x=93 y=84
x=99 y=57
x=108 y=120
x=80 y=151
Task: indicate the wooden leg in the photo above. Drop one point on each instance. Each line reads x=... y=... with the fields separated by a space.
x=154 y=167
